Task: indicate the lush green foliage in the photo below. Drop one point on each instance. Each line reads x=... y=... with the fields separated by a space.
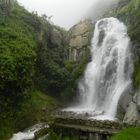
x=33 y=55
x=51 y=75
x=32 y=52
x=128 y=134
x=76 y=70
x=34 y=109
x=17 y=59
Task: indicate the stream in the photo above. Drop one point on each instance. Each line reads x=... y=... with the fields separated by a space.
x=29 y=134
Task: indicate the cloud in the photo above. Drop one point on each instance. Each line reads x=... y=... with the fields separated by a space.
x=99 y=8
x=66 y=13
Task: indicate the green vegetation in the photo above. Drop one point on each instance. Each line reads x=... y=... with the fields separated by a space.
x=35 y=109
x=75 y=70
x=33 y=66
x=128 y=134
x=125 y=134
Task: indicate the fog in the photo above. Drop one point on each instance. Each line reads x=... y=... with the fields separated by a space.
x=66 y=13
x=99 y=7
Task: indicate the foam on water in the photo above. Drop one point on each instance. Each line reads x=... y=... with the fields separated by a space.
x=27 y=134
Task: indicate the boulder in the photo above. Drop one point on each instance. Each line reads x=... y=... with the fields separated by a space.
x=124 y=101
x=132 y=115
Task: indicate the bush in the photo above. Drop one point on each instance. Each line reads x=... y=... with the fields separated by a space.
x=128 y=134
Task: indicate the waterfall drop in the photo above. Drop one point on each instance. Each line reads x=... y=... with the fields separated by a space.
x=108 y=75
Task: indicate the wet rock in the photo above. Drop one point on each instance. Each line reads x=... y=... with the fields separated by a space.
x=124 y=102
x=132 y=115
x=42 y=132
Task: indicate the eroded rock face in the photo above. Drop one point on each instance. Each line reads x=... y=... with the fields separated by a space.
x=123 y=104
x=138 y=101
x=79 y=39
x=132 y=115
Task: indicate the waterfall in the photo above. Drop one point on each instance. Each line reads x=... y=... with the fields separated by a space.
x=108 y=75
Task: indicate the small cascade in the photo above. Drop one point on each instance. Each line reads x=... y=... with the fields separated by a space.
x=29 y=134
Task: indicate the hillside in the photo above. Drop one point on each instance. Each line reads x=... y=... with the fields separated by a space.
x=34 y=65
x=31 y=59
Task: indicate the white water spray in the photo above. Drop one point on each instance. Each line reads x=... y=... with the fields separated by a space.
x=108 y=75
x=29 y=134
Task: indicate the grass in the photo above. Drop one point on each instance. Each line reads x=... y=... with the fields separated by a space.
x=128 y=134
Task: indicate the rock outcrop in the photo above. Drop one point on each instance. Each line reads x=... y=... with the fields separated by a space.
x=79 y=39
x=132 y=115
x=124 y=102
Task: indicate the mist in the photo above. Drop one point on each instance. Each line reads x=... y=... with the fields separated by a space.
x=99 y=8
x=66 y=13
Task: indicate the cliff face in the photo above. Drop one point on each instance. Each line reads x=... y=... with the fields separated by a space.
x=79 y=39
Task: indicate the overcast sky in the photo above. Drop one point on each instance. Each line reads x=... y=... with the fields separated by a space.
x=65 y=13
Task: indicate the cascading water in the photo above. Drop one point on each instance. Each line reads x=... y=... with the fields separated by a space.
x=29 y=134
x=108 y=75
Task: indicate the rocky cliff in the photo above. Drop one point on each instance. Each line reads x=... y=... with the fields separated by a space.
x=79 y=39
